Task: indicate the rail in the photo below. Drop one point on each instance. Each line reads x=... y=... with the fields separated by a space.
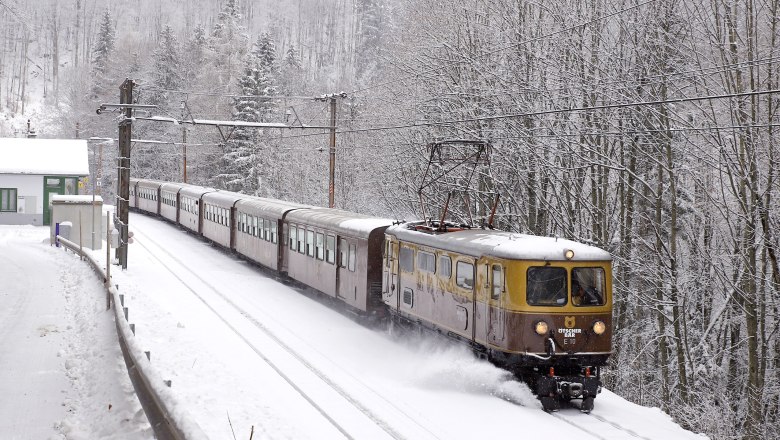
x=168 y=420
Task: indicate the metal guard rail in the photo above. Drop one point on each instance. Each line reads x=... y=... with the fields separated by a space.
x=168 y=420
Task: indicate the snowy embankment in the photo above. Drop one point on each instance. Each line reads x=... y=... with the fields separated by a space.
x=249 y=354
x=63 y=375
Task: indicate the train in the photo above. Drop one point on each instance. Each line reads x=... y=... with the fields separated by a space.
x=540 y=307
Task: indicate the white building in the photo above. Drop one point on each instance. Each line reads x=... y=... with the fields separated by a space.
x=32 y=171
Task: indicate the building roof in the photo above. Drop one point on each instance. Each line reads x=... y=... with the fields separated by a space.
x=44 y=156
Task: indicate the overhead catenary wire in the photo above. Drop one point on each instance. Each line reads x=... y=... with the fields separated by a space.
x=543 y=112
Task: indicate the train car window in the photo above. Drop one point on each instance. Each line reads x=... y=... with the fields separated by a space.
x=406 y=259
x=301 y=240
x=498 y=282
x=464 y=275
x=310 y=243
x=274 y=231
x=255 y=227
x=588 y=286
x=266 y=230
x=330 y=249
x=426 y=262
x=546 y=286
x=320 y=246
x=352 y=257
x=343 y=252
x=445 y=267
x=293 y=236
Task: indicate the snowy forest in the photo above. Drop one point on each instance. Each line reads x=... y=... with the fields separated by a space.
x=644 y=127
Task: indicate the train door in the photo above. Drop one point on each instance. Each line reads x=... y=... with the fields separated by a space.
x=390 y=270
x=342 y=277
x=285 y=245
x=496 y=304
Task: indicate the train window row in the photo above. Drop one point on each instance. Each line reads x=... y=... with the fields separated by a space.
x=169 y=198
x=147 y=193
x=217 y=215
x=258 y=227
x=321 y=246
x=189 y=204
x=464 y=270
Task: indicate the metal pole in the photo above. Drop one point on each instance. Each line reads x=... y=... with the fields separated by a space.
x=331 y=181
x=108 y=261
x=184 y=140
x=123 y=196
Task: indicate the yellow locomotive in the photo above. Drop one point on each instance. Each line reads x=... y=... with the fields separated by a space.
x=540 y=307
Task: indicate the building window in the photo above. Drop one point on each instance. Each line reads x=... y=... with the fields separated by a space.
x=7 y=199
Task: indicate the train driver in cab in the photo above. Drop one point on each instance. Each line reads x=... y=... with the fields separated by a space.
x=583 y=292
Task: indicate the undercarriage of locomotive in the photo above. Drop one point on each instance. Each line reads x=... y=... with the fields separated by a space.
x=556 y=387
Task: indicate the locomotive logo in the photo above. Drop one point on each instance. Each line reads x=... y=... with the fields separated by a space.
x=570 y=321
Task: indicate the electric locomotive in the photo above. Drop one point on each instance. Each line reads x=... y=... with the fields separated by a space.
x=537 y=306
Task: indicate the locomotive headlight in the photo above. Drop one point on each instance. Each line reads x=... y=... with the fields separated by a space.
x=569 y=254
x=541 y=328
x=599 y=327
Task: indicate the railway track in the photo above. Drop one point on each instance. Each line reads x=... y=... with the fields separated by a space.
x=345 y=423
x=597 y=426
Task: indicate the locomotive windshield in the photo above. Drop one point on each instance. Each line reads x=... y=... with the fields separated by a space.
x=587 y=286
x=546 y=286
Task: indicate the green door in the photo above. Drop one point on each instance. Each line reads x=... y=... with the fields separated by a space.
x=54 y=185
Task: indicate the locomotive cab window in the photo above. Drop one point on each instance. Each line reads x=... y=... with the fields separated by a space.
x=464 y=275
x=406 y=261
x=498 y=282
x=426 y=262
x=546 y=286
x=588 y=286
x=445 y=267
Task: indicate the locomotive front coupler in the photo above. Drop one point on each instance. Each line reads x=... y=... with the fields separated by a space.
x=553 y=389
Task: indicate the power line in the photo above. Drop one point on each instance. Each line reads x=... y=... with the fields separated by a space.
x=545 y=112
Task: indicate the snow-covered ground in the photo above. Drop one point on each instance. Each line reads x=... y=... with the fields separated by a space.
x=61 y=370
x=246 y=353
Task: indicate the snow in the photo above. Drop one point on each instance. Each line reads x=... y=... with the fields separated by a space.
x=247 y=353
x=502 y=244
x=44 y=156
x=63 y=372
x=77 y=199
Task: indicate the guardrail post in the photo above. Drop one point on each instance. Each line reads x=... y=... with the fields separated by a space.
x=57 y=234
